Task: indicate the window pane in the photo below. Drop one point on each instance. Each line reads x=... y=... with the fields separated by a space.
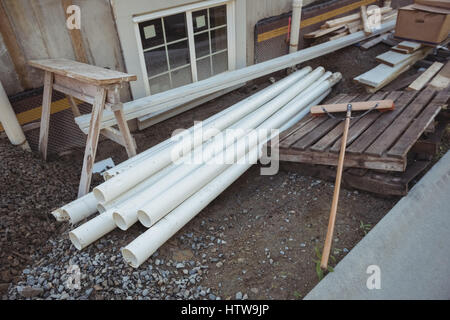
x=151 y=33
x=218 y=16
x=181 y=77
x=175 y=27
x=203 y=68
x=201 y=44
x=156 y=61
x=159 y=84
x=200 y=20
x=220 y=62
x=218 y=39
x=178 y=54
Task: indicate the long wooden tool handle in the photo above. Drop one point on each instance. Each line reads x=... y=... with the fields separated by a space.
x=337 y=189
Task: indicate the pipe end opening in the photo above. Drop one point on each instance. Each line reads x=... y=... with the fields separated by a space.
x=98 y=195
x=129 y=257
x=144 y=219
x=119 y=221
x=75 y=241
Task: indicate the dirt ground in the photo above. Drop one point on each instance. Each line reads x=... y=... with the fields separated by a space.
x=269 y=226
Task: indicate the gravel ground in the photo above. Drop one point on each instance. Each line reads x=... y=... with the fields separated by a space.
x=257 y=240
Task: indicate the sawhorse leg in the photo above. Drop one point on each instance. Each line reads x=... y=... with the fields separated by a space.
x=125 y=131
x=45 y=116
x=92 y=141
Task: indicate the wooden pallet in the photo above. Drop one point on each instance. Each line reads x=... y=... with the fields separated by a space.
x=379 y=141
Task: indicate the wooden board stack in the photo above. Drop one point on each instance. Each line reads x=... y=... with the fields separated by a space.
x=340 y=27
x=393 y=63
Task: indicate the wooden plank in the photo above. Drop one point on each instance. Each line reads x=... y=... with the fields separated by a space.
x=356 y=106
x=421 y=81
x=79 y=95
x=400 y=50
x=351 y=160
x=14 y=50
x=304 y=121
x=351 y=18
x=304 y=130
x=319 y=131
x=362 y=124
x=365 y=20
x=130 y=144
x=334 y=134
x=410 y=45
x=404 y=67
x=392 y=58
x=398 y=126
x=415 y=130
x=92 y=142
x=83 y=72
x=75 y=36
x=372 y=133
x=442 y=79
x=322 y=32
x=402 y=83
x=74 y=106
x=383 y=74
x=45 y=116
x=371 y=43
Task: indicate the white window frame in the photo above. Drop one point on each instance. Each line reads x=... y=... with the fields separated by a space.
x=188 y=9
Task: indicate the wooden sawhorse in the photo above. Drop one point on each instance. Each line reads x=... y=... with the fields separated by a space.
x=96 y=86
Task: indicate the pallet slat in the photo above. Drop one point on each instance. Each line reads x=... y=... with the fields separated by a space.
x=394 y=131
x=289 y=137
x=413 y=133
x=365 y=139
x=363 y=123
x=328 y=140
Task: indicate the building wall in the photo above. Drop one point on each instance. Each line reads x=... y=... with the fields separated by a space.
x=40 y=29
x=260 y=9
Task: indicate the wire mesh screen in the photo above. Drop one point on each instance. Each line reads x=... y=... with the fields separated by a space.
x=272 y=34
x=64 y=133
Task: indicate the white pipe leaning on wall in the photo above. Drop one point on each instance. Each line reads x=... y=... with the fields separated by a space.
x=10 y=123
x=295 y=25
x=157 y=208
x=219 y=121
x=126 y=215
x=146 y=244
x=119 y=184
x=179 y=96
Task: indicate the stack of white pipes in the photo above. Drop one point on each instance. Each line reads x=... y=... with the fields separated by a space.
x=163 y=190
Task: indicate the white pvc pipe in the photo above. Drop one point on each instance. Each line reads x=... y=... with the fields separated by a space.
x=77 y=210
x=295 y=25
x=92 y=230
x=139 y=250
x=161 y=175
x=102 y=224
x=117 y=185
x=157 y=208
x=126 y=215
x=219 y=121
x=147 y=243
x=10 y=123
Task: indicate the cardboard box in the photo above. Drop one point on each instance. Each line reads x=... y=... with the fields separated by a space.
x=426 y=24
x=434 y=3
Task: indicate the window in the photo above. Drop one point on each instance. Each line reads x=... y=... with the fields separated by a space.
x=178 y=48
